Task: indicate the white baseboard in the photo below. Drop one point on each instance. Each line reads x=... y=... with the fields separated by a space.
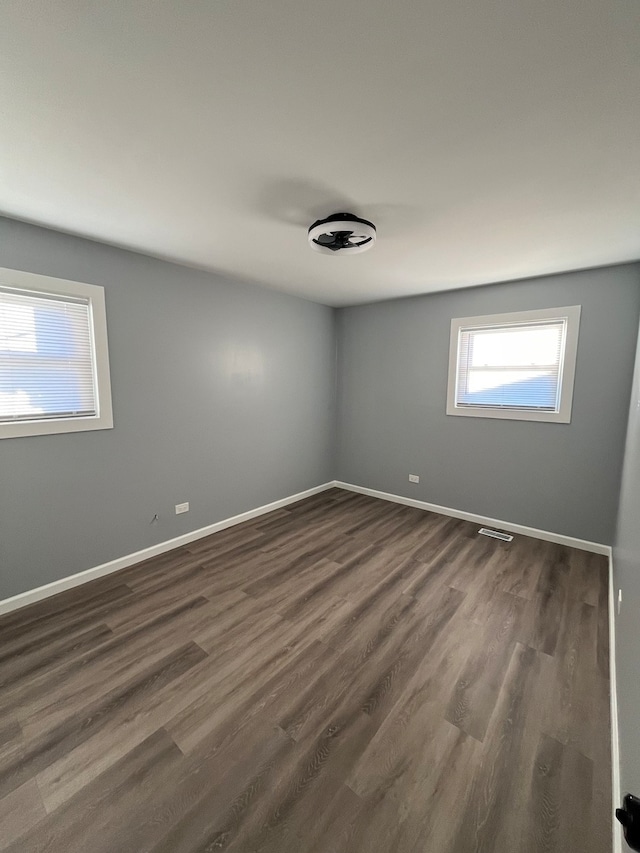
x=37 y=594
x=558 y=538
x=616 y=790
x=31 y=596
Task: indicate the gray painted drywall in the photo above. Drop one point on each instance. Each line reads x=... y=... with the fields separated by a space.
x=223 y=396
x=626 y=576
x=392 y=394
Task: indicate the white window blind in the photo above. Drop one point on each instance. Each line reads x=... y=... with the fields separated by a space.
x=515 y=366
x=47 y=360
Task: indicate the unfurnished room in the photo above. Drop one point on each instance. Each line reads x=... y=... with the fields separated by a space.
x=319 y=426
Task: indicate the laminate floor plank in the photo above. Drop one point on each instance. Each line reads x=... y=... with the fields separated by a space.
x=334 y=831
x=525 y=565
x=342 y=675
x=14 y=770
x=450 y=538
x=57 y=746
x=44 y=625
x=477 y=690
x=369 y=677
x=583 y=567
x=20 y=810
x=40 y=702
x=419 y=709
x=157 y=570
x=103 y=815
x=548 y=609
x=227 y=539
x=348 y=580
x=513 y=730
x=302 y=787
x=230 y=750
x=211 y=719
x=46 y=656
x=431 y=774
x=485 y=586
x=122 y=720
x=214 y=815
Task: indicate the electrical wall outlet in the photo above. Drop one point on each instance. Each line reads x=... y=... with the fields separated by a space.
x=180 y=508
x=414 y=478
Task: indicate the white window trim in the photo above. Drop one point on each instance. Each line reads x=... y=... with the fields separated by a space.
x=21 y=280
x=568 y=368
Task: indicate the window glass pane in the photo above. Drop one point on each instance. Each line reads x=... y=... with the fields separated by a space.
x=511 y=366
x=512 y=388
x=509 y=347
x=46 y=357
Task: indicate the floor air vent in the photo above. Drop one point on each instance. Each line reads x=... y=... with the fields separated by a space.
x=506 y=537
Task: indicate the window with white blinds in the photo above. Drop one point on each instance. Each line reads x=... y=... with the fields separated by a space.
x=515 y=366
x=54 y=374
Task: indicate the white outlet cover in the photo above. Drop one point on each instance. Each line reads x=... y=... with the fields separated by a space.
x=414 y=478
x=180 y=508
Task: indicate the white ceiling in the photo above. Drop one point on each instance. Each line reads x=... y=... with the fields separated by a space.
x=488 y=139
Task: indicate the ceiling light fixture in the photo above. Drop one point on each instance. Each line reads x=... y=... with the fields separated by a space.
x=342 y=233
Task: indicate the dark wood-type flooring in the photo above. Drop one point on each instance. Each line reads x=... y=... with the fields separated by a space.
x=345 y=674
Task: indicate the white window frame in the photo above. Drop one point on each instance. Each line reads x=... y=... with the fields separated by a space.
x=31 y=282
x=571 y=314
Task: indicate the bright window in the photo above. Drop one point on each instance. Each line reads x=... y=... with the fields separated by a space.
x=516 y=366
x=54 y=365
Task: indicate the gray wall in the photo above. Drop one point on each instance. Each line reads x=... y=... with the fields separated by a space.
x=626 y=576
x=558 y=477
x=223 y=396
